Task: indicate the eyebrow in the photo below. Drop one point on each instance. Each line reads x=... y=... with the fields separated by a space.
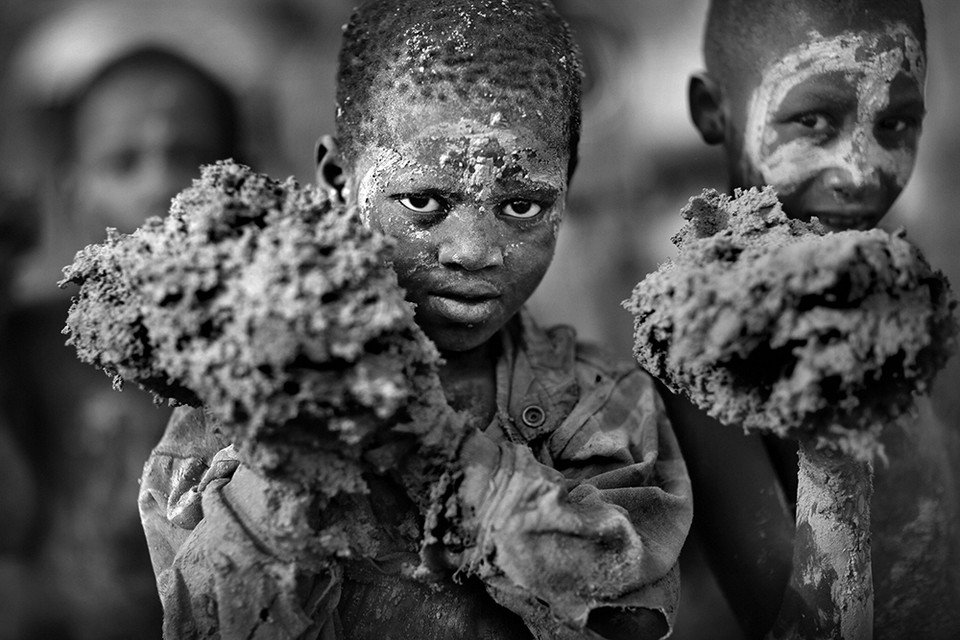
x=535 y=190
x=912 y=101
x=531 y=180
x=912 y=107
x=804 y=97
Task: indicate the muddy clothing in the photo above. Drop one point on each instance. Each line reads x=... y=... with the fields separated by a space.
x=577 y=505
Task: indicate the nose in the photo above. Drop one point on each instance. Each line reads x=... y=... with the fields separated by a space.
x=840 y=182
x=854 y=172
x=851 y=183
x=470 y=240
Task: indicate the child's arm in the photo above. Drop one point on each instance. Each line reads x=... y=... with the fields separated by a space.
x=589 y=543
x=219 y=571
x=743 y=517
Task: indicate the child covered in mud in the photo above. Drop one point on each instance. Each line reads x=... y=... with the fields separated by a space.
x=824 y=101
x=458 y=123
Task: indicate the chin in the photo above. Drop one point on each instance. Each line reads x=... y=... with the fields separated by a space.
x=460 y=339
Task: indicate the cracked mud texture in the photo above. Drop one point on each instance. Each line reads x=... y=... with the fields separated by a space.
x=781 y=327
x=273 y=308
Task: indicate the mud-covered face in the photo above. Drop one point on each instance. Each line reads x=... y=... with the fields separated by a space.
x=834 y=126
x=474 y=198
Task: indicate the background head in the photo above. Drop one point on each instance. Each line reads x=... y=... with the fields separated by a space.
x=137 y=133
x=821 y=98
x=458 y=123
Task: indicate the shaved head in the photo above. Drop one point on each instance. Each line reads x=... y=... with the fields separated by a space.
x=515 y=56
x=742 y=37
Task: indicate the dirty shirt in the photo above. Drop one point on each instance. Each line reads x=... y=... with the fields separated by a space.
x=585 y=505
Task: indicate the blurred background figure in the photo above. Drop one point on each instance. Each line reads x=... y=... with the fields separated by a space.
x=18 y=491
x=135 y=135
x=123 y=104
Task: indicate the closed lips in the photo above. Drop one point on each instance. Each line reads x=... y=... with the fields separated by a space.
x=848 y=219
x=468 y=291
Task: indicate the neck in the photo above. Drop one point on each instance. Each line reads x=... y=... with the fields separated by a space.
x=470 y=382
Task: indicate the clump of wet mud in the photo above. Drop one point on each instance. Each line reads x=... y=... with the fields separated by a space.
x=276 y=310
x=781 y=327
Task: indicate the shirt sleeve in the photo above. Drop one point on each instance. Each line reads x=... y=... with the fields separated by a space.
x=582 y=539
x=217 y=575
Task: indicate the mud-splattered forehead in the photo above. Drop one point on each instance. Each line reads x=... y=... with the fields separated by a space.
x=743 y=36
x=518 y=56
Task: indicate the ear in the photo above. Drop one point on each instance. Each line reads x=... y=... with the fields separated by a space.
x=330 y=169
x=705 y=100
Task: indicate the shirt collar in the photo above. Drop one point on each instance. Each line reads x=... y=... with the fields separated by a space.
x=536 y=378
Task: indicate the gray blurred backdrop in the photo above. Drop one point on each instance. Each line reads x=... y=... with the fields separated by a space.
x=641 y=160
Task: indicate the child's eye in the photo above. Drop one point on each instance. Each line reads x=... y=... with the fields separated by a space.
x=816 y=122
x=523 y=209
x=896 y=124
x=122 y=163
x=421 y=203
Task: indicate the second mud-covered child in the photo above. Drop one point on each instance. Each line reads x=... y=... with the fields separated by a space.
x=824 y=101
